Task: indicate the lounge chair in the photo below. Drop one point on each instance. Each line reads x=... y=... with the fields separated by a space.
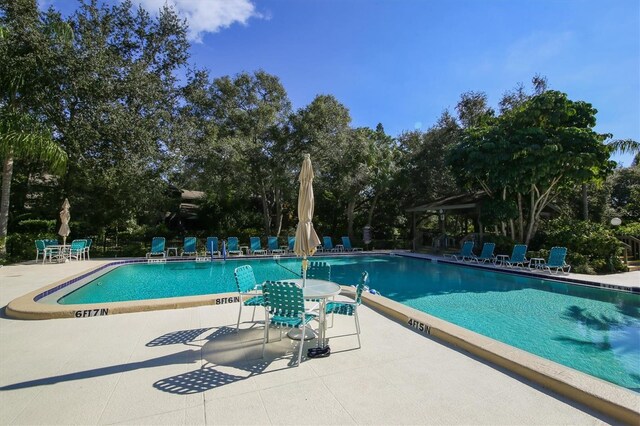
x=327 y=244
x=350 y=308
x=486 y=255
x=273 y=246
x=233 y=247
x=346 y=243
x=285 y=305
x=556 y=261
x=247 y=285
x=212 y=246
x=291 y=243
x=157 y=247
x=518 y=256
x=256 y=246
x=189 y=247
x=465 y=253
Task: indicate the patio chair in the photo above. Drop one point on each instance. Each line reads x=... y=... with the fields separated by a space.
x=256 y=246
x=189 y=246
x=319 y=271
x=273 y=246
x=233 y=247
x=76 y=250
x=327 y=244
x=247 y=285
x=40 y=249
x=486 y=255
x=285 y=308
x=350 y=308
x=87 y=248
x=291 y=243
x=556 y=261
x=212 y=246
x=465 y=253
x=346 y=243
x=157 y=247
x=518 y=256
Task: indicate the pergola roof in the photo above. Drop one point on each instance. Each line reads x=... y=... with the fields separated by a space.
x=455 y=202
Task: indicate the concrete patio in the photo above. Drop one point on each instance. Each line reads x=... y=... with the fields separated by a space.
x=188 y=366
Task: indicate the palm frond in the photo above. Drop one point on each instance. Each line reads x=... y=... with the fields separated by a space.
x=625 y=146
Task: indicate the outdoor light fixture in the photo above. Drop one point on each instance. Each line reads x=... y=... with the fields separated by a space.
x=616 y=221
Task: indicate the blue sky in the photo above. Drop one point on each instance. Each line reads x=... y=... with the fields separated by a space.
x=402 y=63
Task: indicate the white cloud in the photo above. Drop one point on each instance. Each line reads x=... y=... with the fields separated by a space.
x=207 y=16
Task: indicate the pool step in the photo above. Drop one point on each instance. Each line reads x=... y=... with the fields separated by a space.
x=634 y=265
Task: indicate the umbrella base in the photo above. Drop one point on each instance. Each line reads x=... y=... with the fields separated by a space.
x=295 y=334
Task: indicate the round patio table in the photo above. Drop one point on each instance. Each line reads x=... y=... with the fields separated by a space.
x=315 y=289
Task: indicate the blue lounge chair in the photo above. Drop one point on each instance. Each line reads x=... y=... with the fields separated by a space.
x=291 y=243
x=518 y=256
x=189 y=246
x=465 y=253
x=487 y=253
x=212 y=246
x=247 y=285
x=350 y=308
x=327 y=244
x=233 y=247
x=285 y=305
x=346 y=243
x=256 y=246
x=157 y=247
x=556 y=261
x=273 y=246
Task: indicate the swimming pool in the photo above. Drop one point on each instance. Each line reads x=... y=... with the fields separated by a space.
x=592 y=330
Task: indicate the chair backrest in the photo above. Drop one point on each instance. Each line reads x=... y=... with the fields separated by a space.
x=189 y=244
x=283 y=299
x=78 y=244
x=157 y=245
x=255 y=243
x=273 y=243
x=232 y=244
x=245 y=279
x=50 y=242
x=364 y=282
x=40 y=245
x=89 y=242
x=557 y=256
x=327 y=243
x=319 y=271
x=212 y=244
x=487 y=250
x=292 y=242
x=467 y=249
x=519 y=252
x=346 y=243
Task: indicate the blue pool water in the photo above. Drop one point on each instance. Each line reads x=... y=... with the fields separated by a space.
x=592 y=330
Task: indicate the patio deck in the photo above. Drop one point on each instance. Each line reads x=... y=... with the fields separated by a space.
x=185 y=367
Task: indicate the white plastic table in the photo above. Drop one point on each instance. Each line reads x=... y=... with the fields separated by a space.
x=61 y=248
x=536 y=263
x=316 y=289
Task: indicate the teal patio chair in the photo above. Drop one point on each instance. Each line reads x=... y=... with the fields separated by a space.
x=212 y=246
x=346 y=243
x=157 y=247
x=87 y=248
x=273 y=246
x=189 y=246
x=318 y=270
x=256 y=246
x=40 y=249
x=465 y=253
x=247 y=286
x=487 y=253
x=556 y=261
x=76 y=250
x=284 y=302
x=327 y=244
x=291 y=241
x=233 y=247
x=350 y=308
x=518 y=256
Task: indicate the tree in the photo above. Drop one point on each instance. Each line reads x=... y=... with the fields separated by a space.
x=29 y=47
x=530 y=153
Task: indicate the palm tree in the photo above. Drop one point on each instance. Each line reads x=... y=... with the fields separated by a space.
x=627 y=146
x=28 y=46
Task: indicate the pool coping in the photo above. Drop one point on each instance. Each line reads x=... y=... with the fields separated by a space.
x=612 y=400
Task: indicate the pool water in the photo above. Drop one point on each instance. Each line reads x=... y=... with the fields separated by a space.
x=589 y=329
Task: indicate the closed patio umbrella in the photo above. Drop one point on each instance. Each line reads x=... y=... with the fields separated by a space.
x=306 y=238
x=65 y=217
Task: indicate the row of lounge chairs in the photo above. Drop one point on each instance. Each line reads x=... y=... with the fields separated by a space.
x=518 y=257
x=233 y=247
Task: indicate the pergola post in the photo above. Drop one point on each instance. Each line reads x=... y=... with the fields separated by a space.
x=413 y=231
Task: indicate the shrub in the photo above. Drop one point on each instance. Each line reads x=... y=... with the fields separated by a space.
x=590 y=245
x=21 y=246
x=36 y=226
x=632 y=229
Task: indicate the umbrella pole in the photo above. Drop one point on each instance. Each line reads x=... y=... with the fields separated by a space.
x=305 y=263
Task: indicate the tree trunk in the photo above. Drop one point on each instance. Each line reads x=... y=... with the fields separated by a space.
x=7 y=174
x=265 y=211
x=351 y=207
x=371 y=209
x=279 y=213
x=585 y=202
x=520 y=219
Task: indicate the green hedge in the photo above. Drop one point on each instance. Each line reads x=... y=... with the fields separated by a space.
x=632 y=229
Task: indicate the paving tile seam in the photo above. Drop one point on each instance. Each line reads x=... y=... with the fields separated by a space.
x=143 y=417
x=338 y=400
